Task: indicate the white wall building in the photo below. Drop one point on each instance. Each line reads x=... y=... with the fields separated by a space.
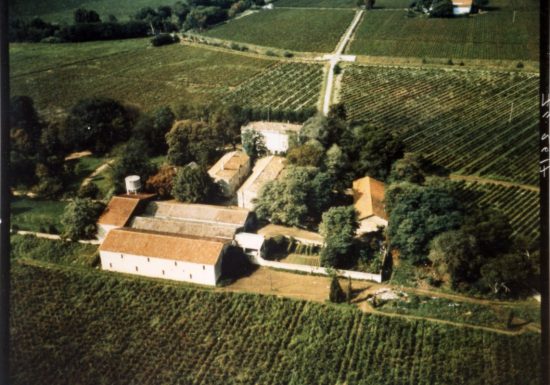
x=275 y=134
x=265 y=170
x=462 y=7
x=368 y=198
x=230 y=171
x=161 y=255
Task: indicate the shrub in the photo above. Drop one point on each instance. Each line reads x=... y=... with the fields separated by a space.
x=162 y=39
x=519 y=65
x=288 y=54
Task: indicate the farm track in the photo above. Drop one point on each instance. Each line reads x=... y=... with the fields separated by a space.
x=479 y=179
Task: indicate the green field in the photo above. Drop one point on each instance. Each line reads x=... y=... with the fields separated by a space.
x=464 y=312
x=495 y=35
x=522 y=206
x=36 y=215
x=73 y=326
x=471 y=122
x=316 y=3
x=62 y=10
x=285 y=86
x=309 y=30
x=57 y=76
x=53 y=251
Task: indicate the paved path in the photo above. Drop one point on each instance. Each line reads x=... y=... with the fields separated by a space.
x=303 y=236
x=97 y=171
x=78 y=155
x=336 y=57
x=56 y=237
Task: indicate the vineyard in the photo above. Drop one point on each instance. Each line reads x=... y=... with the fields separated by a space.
x=309 y=30
x=316 y=3
x=130 y=71
x=73 y=326
x=471 y=122
x=284 y=86
x=520 y=205
x=495 y=35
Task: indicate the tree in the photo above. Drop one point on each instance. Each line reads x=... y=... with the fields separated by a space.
x=338 y=228
x=336 y=163
x=162 y=182
x=507 y=274
x=193 y=184
x=417 y=214
x=253 y=144
x=456 y=252
x=131 y=160
x=336 y=294
x=316 y=128
x=95 y=124
x=191 y=140
x=152 y=129
x=308 y=154
x=82 y=15
x=226 y=122
x=373 y=150
x=295 y=199
x=79 y=219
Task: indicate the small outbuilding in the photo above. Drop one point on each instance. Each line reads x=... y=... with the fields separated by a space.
x=265 y=170
x=275 y=134
x=230 y=171
x=368 y=199
x=462 y=7
x=119 y=211
x=163 y=255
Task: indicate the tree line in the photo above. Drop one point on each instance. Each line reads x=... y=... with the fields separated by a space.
x=88 y=25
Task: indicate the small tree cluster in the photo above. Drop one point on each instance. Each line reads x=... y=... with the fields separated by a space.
x=79 y=219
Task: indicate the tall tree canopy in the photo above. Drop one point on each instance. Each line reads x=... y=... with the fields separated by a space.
x=193 y=184
x=338 y=227
x=131 y=160
x=419 y=213
x=96 y=124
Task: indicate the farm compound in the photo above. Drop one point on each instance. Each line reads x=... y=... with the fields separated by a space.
x=179 y=241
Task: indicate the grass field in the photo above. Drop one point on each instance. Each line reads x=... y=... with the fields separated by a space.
x=470 y=122
x=520 y=205
x=464 y=312
x=36 y=215
x=316 y=3
x=62 y=10
x=496 y=35
x=286 y=86
x=53 y=251
x=87 y=327
x=57 y=76
x=304 y=30
x=83 y=167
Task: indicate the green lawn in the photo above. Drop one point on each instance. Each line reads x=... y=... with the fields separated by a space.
x=57 y=76
x=302 y=259
x=491 y=35
x=36 y=215
x=83 y=167
x=54 y=251
x=62 y=10
x=305 y=30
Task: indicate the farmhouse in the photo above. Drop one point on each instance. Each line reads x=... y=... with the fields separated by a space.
x=230 y=171
x=368 y=199
x=462 y=7
x=275 y=134
x=163 y=255
x=265 y=170
x=119 y=211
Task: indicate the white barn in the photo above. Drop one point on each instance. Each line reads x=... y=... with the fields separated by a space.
x=265 y=170
x=162 y=255
x=275 y=134
x=230 y=171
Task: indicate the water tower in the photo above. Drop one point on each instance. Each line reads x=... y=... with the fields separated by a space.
x=133 y=184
